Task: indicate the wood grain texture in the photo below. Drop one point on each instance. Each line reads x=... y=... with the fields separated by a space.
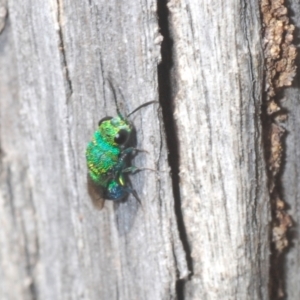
x=218 y=95
x=55 y=59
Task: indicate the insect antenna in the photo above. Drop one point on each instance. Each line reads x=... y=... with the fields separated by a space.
x=115 y=96
x=141 y=106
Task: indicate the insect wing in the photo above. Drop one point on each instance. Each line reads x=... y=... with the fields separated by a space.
x=96 y=193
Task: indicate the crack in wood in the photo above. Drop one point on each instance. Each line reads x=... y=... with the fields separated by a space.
x=68 y=82
x=29 y=264
x=280 y=70
x=166 y=91
x=10 y=191
x=257 y=106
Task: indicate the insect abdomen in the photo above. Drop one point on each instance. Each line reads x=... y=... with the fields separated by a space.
x=101 y=158
x=115 y=191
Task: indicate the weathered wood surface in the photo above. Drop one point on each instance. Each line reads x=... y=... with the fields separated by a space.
x=291 y=174
x=55 y=59
x=218 y=78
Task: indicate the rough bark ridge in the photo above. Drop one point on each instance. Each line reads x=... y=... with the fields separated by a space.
x=280 y=69
x=223 y=191
x=291 y=175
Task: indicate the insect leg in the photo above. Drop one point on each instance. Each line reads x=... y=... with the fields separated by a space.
x=134 y=169
x=134 y=193
x=120 y=165
x=129 y=150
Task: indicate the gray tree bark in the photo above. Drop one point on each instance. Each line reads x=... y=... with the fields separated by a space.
x=225 y=202
x=203 y=229
x=290 y=177
x=55 y=59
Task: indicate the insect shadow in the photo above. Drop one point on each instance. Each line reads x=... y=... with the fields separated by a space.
x=109 y=155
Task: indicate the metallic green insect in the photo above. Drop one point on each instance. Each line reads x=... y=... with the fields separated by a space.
x=108 y=157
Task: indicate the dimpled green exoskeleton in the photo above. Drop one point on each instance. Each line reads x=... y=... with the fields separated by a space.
x=103 y=151
x=108 y=159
